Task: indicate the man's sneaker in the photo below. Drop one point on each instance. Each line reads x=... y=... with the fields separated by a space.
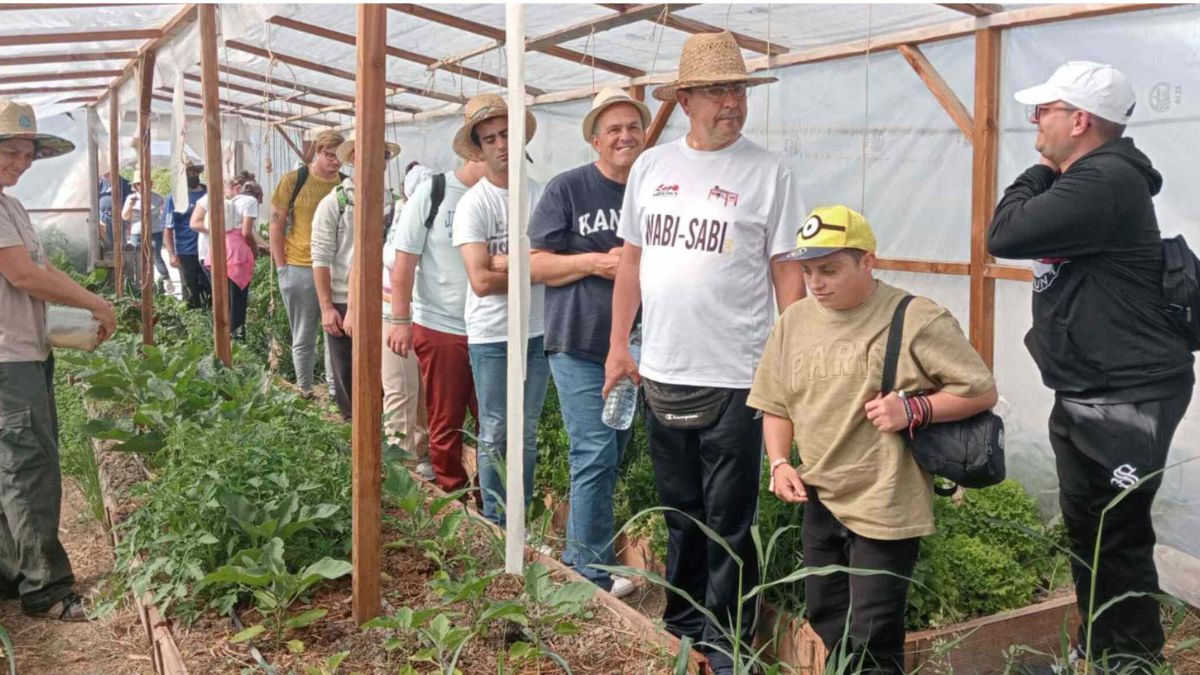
x=70 y=608
x=621 y=586
x=425 y=471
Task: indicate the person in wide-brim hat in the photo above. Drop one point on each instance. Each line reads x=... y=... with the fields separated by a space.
x=606 y=98
x=17 y=121
x=345 y=151
x=710 y=58
x=479 y=109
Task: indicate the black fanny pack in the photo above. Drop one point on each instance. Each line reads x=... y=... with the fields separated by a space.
x=968 y=452
x=679 y=406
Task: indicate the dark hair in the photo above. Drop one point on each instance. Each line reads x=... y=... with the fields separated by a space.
x=243 y=178
x=253 y=189
x=411 y=165
x=475 y=138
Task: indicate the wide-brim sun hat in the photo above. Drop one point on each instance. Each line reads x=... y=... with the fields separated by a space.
x=480 y=109
x=17 y=121
x=710 y=58
x=343 y=151
x=606 y=98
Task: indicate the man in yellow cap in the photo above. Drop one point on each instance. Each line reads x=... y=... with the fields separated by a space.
x=868 y=503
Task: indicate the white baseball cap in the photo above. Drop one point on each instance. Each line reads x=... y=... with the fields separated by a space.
x=1097 y=88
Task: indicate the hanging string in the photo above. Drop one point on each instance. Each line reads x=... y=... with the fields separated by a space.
x=866 y=112
x=660 y=25
x=767 y=94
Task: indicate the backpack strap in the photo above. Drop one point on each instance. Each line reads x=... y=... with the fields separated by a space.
x=301 y=179
x=436 y=195
x=891 y=356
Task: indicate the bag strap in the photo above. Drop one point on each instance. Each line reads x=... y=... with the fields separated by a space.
x=301 y=179
x=436 y=196
x=891 y=357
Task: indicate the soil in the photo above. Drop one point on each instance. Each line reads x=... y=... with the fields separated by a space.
x=113 y=645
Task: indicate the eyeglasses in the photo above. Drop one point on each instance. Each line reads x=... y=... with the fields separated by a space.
x=1039 y=110
x=329 y=156
x=718 y=92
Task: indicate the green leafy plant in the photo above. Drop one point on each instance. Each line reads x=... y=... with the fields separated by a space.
x=275 y=589
x=441 y=641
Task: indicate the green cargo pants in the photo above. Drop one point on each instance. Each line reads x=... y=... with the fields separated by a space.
x=33 y=563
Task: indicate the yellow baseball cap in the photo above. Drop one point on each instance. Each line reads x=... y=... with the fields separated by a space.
x=829 y=229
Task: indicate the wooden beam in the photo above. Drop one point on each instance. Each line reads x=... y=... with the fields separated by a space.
x=367 y=293
x=76 y=99
x=923 y=266
x=659 y=123
x=53 y=90
x=1008 y=272
x=146 y=266
x=170 y=29
x=973 y=9
x=26 y=39
x=578 y=58
x=228 y=107
x=334 y=72
x=58 y=77
x=118 y=199
x=241 y=113
x=215 y=168
x=621 y=17
x=744 y=41
x=296 y=98
x=290 y=143
x=71 y=5
x=81 y=57
x=345 y=38
x=939 y=88
x=983 y=189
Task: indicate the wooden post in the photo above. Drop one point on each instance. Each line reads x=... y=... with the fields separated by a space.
x=114 y=178
x=97 y=230
x=983 y=188
x=216 y=180
x=660 y=122
x=366 y=293
x=939 y=88
x=146 y=267
x=518 y=293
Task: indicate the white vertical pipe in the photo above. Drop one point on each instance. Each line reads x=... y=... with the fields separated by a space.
x=93 y=150
x=518 y=290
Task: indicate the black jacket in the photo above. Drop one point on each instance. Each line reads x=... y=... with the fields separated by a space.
x=1099 y=330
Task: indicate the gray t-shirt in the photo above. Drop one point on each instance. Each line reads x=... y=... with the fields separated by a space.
x=22 y=316
x=439 y=294
x=578 y=213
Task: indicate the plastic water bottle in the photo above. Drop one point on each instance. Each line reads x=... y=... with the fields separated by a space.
x=621 y=403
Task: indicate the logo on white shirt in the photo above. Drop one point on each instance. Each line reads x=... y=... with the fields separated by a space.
x=664 y=190
x=726 y=197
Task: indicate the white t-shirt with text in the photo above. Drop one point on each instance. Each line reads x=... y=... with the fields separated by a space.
x=482 y=217
x=708 y=223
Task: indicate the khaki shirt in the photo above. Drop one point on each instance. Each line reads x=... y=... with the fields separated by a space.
x=22 y=316
x=819 y=369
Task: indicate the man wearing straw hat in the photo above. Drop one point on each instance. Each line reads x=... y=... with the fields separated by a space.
x=702 y=218
x=332 y=254
x=481 y=236
x=576 y=250
x=33 y=564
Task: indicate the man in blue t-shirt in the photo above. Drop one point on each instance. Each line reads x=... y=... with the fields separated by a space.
x=182 y=242
x=106 y=204
x=573 y=232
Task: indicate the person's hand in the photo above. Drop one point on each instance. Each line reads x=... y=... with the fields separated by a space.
x=348 y=322
x=788 y=486
x=331 y=321
x=1047 y=162
x=103 y=312
x=619 y=364
x=174 y=261
x=605 y=266
x=499 y=263
x=400 y=339
x=887 y=412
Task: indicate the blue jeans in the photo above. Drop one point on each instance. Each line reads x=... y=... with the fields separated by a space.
x=594 y=459
x=489 y=366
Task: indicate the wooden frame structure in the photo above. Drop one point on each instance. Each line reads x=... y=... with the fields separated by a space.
x=983 y=22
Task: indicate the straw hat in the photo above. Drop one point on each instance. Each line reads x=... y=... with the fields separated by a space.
x=610 y=96
x=709 y=58
x=343 y=151
x=481 y=108
x=18 y=121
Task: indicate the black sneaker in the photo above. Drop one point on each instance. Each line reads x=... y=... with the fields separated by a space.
x=70 y=608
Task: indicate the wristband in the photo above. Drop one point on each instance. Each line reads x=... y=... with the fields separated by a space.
x=775 y=464
x=398 y=321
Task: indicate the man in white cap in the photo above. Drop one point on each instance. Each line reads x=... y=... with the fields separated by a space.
x=576 y=250
x=1122 y=375
x=702 y=219
x=481 y=236
x=33 y=563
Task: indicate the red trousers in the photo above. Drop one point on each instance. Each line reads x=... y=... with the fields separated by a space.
x=449 y=393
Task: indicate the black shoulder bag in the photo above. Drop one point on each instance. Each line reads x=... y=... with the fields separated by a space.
x=969 y=452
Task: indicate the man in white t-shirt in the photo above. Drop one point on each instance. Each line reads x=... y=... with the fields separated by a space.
x=425 y=315
x=481 y=236
x=701 y=220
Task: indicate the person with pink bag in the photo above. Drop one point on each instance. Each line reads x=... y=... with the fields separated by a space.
x=242 y=198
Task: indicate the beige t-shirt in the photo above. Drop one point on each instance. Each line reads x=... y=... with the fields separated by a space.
x=22 y=316
x=821 y=366
x=298 y=243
